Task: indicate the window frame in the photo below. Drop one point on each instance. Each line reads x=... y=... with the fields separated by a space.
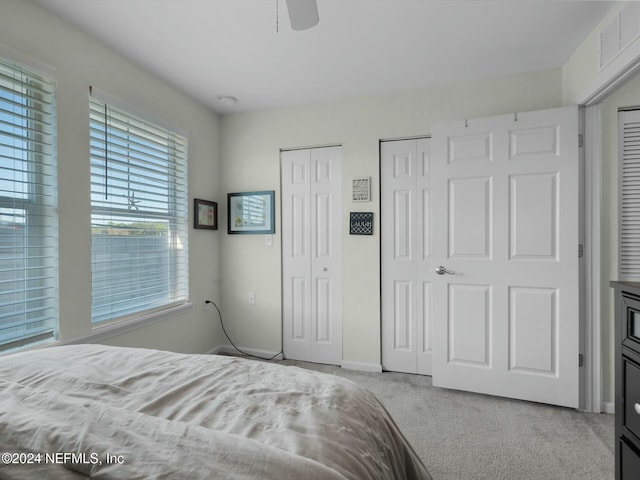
x=176 y=201
x=34 y=93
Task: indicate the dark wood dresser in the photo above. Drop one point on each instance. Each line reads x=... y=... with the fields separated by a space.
x=627 y=357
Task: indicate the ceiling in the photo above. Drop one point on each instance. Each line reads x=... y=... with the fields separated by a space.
x=247 y=49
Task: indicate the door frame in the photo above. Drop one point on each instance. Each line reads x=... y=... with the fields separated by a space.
x=592 y=318
x=605 y=83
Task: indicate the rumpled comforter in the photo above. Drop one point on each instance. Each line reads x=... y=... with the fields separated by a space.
x=121 y=413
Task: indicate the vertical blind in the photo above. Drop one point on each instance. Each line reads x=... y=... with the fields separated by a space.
x=629 y=184
x=28 y=202
x=139 y=211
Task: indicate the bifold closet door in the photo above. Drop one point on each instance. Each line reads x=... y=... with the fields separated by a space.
x=312 y=254
x=405 y=167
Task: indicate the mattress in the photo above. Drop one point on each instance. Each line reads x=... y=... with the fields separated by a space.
x=122 y=413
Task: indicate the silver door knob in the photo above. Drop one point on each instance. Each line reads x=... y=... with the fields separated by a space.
x=442 y=270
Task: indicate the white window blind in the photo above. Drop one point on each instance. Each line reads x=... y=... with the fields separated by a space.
x=28 y=202
x=139 y=211
x=629 y=194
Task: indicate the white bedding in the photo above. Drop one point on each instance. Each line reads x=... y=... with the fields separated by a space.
x=172 y=416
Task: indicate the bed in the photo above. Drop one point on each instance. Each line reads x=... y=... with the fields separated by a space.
x=122 y=413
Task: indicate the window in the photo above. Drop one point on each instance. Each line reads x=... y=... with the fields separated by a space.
x=28 y=200
x=138 y=214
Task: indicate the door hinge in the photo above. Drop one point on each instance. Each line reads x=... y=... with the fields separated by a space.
x=580 y=140
x=580 y=251
x=580 y=360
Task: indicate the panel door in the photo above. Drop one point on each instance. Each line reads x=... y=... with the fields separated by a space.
x=312 y=255
x=326 y=255
x=296 y=254
x=406 y=255
x=505 y=221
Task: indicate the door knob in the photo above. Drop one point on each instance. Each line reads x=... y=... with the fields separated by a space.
x=442 y=270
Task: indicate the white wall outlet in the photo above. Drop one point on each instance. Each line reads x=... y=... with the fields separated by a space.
x=268 y=240
x=252 y=298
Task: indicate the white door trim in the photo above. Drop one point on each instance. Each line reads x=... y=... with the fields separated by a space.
x=593 y=210
x=612 y=77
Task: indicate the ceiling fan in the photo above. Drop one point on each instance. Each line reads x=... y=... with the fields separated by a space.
x=303 y=14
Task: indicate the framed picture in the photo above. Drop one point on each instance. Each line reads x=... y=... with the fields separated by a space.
x=205 y=214
x=251 y=212
x=361 y=189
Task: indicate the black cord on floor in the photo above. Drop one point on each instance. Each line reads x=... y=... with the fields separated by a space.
x=231 y=341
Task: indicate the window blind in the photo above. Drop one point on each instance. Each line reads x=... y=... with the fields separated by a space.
x=28 y=203
x=629 y=194
x=139 y=210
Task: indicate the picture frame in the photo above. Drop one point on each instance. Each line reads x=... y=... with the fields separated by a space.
x=205 y=214
x=361 y=189
x=251 y=212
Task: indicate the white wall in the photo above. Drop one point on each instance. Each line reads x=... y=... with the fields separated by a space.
x=250 y=153
x=31 y=35
x=582 y=75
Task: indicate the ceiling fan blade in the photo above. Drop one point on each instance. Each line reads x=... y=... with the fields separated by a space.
x=303 y=14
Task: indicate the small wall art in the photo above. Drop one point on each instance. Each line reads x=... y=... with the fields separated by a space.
x=205 y=214
x=361 y=189
x=361 y=223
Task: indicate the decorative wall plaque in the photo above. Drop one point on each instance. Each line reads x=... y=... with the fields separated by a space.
x=361 y=223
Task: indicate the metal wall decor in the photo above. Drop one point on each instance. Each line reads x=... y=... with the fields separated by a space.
x=361 y=223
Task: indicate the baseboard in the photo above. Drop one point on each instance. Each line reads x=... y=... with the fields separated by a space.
x=609 y=407
x=252 y=351
x=362 y=367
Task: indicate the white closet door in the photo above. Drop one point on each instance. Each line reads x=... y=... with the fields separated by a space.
x=506 y=225
x=296 y=254
x=406 y=256
x=312 y=254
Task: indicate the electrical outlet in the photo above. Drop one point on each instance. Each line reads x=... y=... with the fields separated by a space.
x=252 y=298
x=206 y=306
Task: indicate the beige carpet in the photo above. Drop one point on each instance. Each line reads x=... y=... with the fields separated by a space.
x=466 y=436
